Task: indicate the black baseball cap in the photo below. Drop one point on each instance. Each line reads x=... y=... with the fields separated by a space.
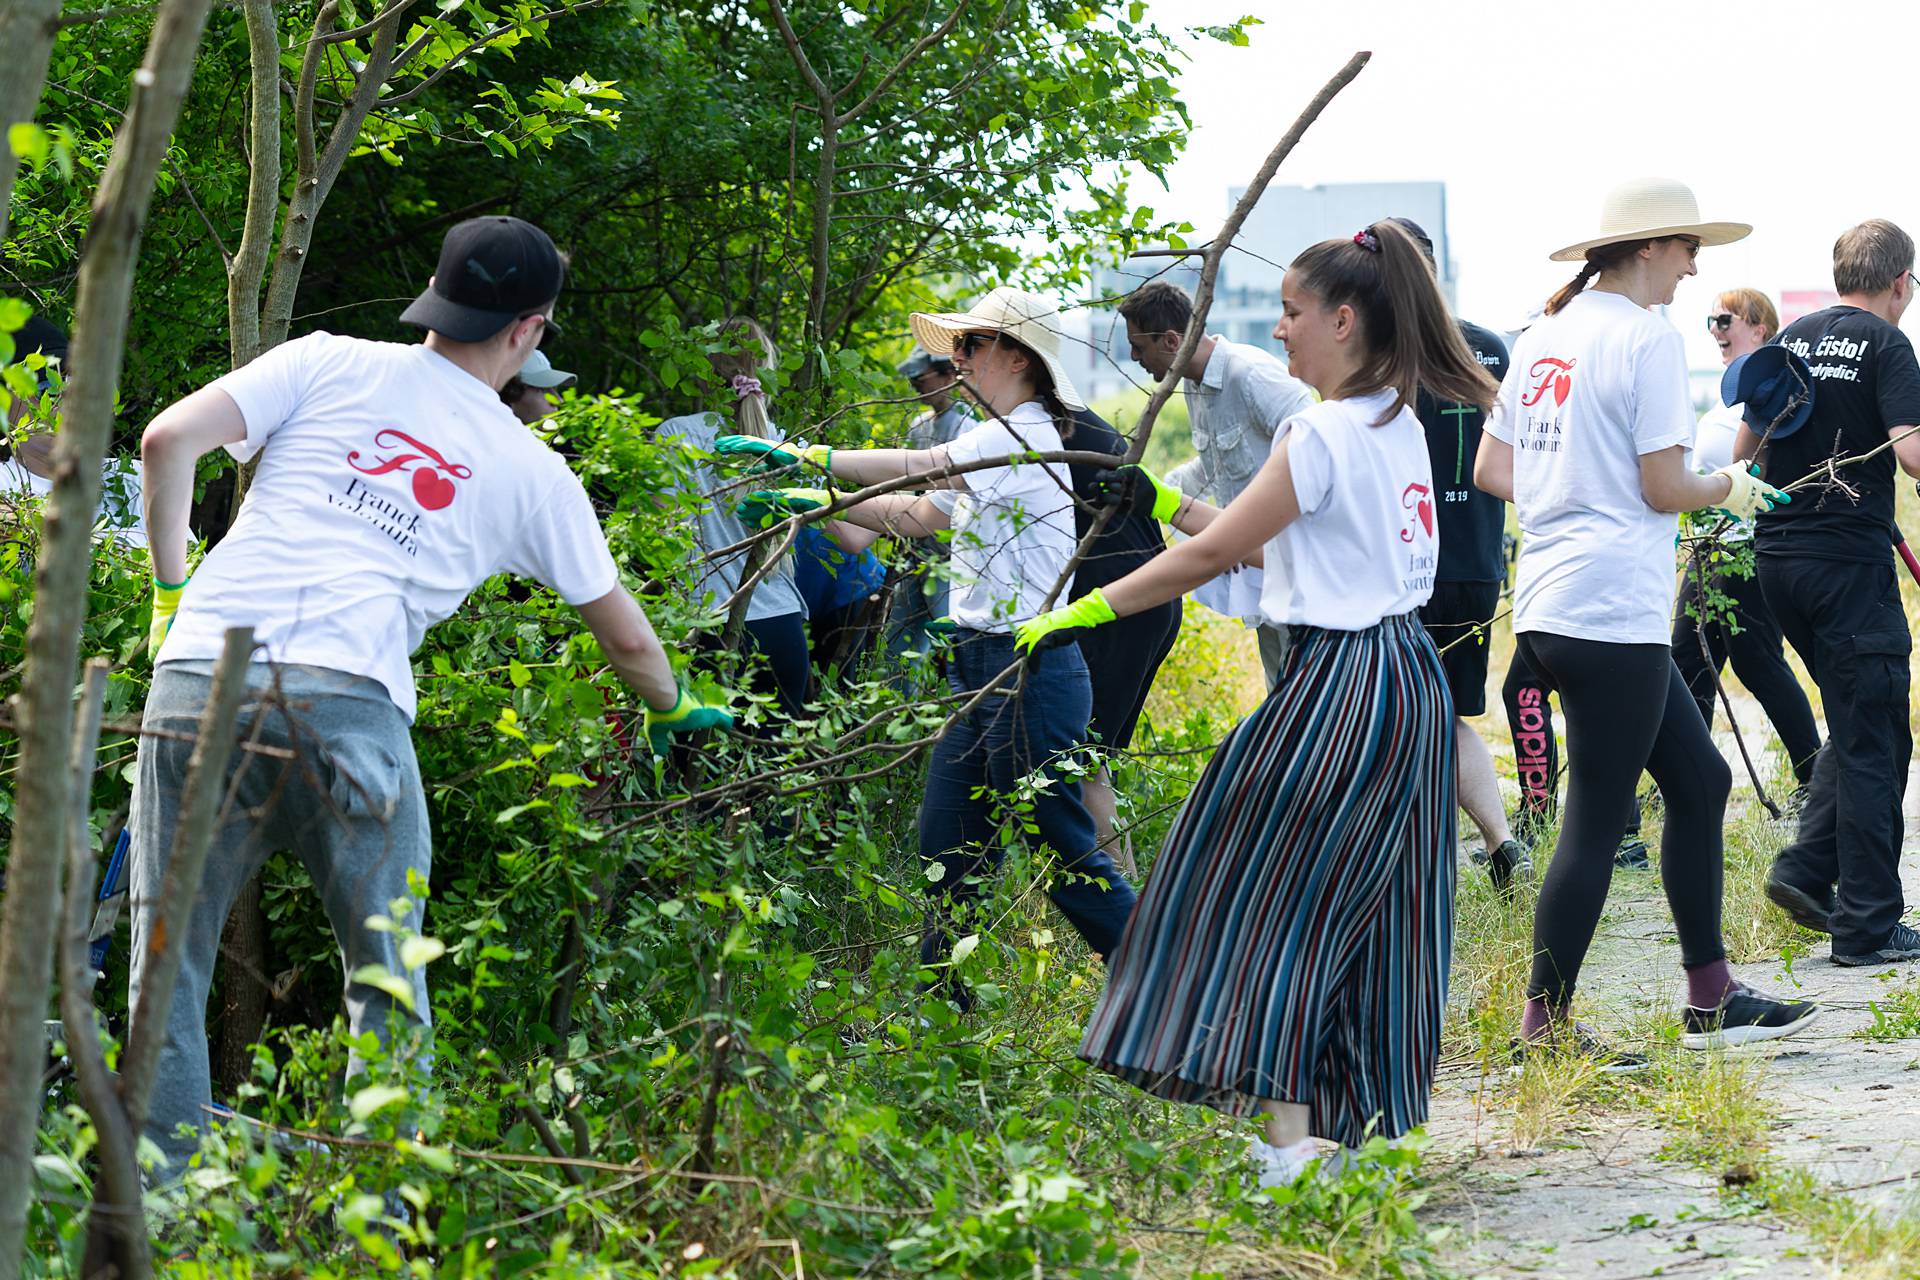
x=492 y=272
x=1419 y=234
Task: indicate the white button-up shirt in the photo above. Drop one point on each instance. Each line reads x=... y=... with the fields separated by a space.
x=1241 y=399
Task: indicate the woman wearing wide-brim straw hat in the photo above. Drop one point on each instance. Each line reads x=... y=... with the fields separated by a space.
x=1012 y=536
x=1589 y=440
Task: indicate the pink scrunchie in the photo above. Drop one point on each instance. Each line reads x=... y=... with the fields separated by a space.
x=744 y=385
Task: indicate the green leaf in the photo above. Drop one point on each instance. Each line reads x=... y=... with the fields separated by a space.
x=964 y=948
x=416 y=952
x=375 y=1097
x=518 y=673
x=14 y=312
x=377 y=977
x=28 y=141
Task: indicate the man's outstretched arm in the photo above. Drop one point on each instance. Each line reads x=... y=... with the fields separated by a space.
x=172 y=443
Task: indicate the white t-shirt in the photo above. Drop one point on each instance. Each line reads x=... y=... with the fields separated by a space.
x=1713 y=438
x=1588 y=392
x=1366 y=543
x=393 y=483
x=1013 y=526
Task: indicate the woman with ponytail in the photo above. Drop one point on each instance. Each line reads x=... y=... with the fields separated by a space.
x=1289 y=954
x=1589 y=441
x=776 y=614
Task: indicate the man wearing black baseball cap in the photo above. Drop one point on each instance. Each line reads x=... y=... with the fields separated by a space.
x=493 y=272
x=393 y=481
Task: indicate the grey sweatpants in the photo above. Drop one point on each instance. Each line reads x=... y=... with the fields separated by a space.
x=350 y=804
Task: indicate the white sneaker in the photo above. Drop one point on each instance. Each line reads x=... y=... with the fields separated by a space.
x=1283 y=1166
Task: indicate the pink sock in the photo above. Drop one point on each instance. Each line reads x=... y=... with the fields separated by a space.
x=1708 y=984
x=1534 y=1019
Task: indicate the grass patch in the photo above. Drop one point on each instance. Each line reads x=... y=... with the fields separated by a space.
x=1895 y=1018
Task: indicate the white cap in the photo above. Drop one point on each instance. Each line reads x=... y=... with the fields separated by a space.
x=539 y=372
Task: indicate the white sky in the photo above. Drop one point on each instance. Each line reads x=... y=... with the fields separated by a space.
x=1795 y=117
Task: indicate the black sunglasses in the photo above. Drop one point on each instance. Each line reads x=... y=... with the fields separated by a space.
x=971 y=342
x=1720 y=323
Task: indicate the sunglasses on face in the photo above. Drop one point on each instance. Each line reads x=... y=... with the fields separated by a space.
x=971 y=342
x=1720 y=323
x=1693 y=246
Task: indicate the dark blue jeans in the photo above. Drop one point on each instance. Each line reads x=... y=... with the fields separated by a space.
x=977 y=766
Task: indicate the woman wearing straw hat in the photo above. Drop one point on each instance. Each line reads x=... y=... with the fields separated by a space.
x=1589 y=441
x=1012 y=530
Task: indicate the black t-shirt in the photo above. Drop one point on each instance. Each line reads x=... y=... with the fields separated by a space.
x=1128 y=541
x=1471 y=521
x=1865 y=383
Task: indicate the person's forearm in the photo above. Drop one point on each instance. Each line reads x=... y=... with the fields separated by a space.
x=648 y=673
x=1169 y=576
x=1688 y=491
x=166 y=486
x=904 y=515
x=850 y=537
x=1745 y=444
x=871 y=466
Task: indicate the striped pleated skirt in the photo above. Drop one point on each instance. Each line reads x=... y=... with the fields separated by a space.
x=1292 y=940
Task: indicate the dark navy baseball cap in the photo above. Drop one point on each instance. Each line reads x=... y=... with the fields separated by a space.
x=1767 y=381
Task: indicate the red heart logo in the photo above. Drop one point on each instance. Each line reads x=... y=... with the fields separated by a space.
x=431 y=489
x=1562 y=388
x=1426 y=514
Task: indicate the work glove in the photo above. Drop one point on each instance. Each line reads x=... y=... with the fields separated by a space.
x=764 y=506
x=166 y=603
x=1090 y=610
x=687 y=715
x=1134 y=491
x=1749 y=495
x=772 y=454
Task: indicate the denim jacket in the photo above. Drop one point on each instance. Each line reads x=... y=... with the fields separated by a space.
x=1235 y=408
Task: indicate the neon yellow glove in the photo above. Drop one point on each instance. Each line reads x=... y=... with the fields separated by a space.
x=779 y=455
x=1090 y=610
x=687 y=715
x=1136 y=491
x=166 y=603
x=763 y=506
x=1749 y=494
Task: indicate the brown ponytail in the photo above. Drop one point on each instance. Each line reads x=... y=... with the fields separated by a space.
x=1603 y=258
x=1412 y=341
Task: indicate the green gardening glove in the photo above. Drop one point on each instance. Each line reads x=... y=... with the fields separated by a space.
x=1136 y=491
x=688 y=715
x=1090 y=610
x=772 y=454
x=763 y=506
x=166 y=603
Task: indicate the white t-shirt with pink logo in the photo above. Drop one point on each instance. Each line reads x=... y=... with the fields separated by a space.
x=1365 y=545
x=393 y=482
x=1588 y=391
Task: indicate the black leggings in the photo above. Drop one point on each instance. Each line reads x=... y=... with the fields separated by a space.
x=1757 y=659
x=1627 y=709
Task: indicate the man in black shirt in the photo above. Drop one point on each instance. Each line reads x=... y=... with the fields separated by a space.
x=1466 y=588
x=1826 y=566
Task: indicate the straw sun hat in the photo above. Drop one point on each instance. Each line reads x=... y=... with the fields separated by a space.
x=1028 y=319
x=1647 y=209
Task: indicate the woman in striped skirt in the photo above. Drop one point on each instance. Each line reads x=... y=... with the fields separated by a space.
x=1289 y=955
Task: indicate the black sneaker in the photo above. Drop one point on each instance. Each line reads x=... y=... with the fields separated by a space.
x=1902 y=944
x=1509 y=865
x=1578 y=1040
x=1632 y=853
x=1807 y=911
x=1746 y=1016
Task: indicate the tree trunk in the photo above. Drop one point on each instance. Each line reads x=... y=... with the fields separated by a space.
x=243 y=990
x=45 y=785
x=27 y=28
x=249 y=267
